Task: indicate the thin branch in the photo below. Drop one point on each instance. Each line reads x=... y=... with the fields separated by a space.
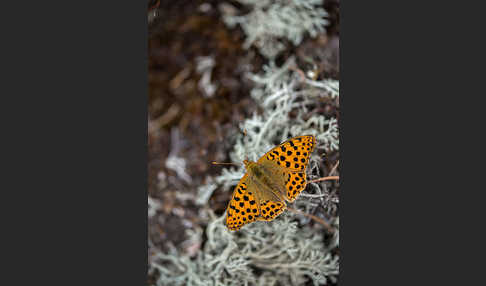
x=330 y=178
x=317 y=219
x=334 y=168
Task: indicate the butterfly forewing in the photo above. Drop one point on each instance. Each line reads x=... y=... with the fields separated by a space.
x=288 y=162
x=295 y=183
x=242 y=208
x=293 y=154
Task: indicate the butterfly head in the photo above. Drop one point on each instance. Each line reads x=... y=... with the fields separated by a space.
x=248 y=164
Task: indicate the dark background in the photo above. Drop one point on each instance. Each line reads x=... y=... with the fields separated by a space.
x=75 y=143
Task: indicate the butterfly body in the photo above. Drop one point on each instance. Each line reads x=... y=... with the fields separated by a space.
x=278 y=176
x=262 y=177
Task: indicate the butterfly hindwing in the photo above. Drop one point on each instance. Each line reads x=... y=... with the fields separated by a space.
x=242 y=208
x=271 y=209
x=295 y=182
x=270 y=203
x=293 y=154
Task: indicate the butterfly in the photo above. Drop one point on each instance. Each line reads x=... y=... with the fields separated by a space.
x=276 y=177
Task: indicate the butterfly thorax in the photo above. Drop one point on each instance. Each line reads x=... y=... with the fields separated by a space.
x=254 y=169
x=260 y=175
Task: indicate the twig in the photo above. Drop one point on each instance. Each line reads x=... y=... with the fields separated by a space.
x=330 y=178
x=334 y=168
x=317 y=219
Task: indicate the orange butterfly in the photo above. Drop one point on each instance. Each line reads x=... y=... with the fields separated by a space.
x=276 y=177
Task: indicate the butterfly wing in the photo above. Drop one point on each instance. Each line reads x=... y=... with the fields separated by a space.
x=295 y=183
x=288 y=162
x=270 y=204
x=269 y=210
x=292 y=154
x=242 y=208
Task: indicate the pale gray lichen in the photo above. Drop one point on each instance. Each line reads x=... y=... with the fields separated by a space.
x=279 y=91
x=174 y=161
x=277 y=252
x=205 y=67
x=205 y=191
x=285 y=101
x=288 y=250
x=284 y=254
x=269 y=21
x=153 y=206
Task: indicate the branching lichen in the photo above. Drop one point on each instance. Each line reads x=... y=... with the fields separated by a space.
x=288 y=250
x=153 y=206
x=205 y=67
x=277 y=252
x=174 y=161
x=286 y=102
x=270 y=21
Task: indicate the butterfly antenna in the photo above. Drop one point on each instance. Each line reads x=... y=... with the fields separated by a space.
x=219 y=163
